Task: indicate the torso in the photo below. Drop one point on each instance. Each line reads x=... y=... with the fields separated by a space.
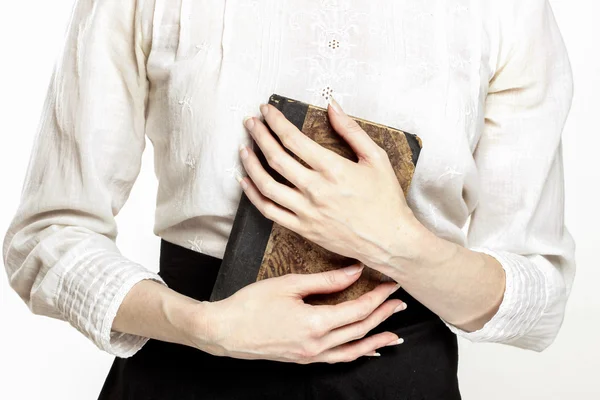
x=419 y=66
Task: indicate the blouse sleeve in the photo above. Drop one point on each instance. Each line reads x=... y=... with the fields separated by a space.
x=60 y=250
x=519 y=219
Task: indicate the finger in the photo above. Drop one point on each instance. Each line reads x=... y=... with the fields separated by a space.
x=324 y=282
x=268 y=208
x=276 y=155
x=315 y=155
x=283 y=195
x=351 y=351
x=351 y=311
x=362 y=144
x=359 y=329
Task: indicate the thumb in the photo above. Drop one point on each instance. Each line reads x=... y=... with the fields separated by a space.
x=328 y=281
x=352 y=133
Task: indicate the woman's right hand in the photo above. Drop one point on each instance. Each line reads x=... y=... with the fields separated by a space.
x=269 y=320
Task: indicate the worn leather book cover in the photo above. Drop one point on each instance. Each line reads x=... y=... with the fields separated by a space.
x=259 y=248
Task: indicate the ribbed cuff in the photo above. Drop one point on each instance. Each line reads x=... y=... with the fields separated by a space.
x=91 y=290
x=523 y=304
x=117 y=343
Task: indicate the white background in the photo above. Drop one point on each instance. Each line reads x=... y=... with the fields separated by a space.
x=62 y=364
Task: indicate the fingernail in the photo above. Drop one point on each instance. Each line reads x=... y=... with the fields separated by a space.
x=395 y=288
x=373 y=354
x=395 y=342
x=243 y=151
x=334 y=104
x=239 y=178
x=264 y=109
x=249 y=123
x=400 y=307
x=353 y=269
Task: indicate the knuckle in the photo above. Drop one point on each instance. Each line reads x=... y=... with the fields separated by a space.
x=350 y=357
x=380 y=156
x=267 y=188
x=361 y=313
x=364 y=309
x=377 y=155
x=382 y=153
x=317 y=196
x=291 y=279
x=268 y=211
x=283 y=136
x=334 y=171
x=302 y=183
x=275 y=162
x=309 y=350
x=352 y=126
x=289 y=140
x=305 y=182
x=314 y=191
x=310 y=232
x=316 y=326
x=331 y=279
x=360 y=330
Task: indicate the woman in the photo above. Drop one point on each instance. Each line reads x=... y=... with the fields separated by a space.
x=486 y=85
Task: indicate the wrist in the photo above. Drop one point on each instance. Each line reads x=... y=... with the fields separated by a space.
x=416 y=247
x=197 y=324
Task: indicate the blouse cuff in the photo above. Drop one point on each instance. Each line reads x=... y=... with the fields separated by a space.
x=118 y=343
x=523 y=304
x=90 y=291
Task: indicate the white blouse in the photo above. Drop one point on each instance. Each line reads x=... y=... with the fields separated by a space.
x=486 y=84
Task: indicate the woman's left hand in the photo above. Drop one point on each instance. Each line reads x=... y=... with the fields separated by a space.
x=356 y=209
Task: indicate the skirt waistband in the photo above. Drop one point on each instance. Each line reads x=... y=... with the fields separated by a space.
x=193 y=274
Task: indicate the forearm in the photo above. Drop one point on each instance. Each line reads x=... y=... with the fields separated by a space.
x=463 y=287
x=153 y=310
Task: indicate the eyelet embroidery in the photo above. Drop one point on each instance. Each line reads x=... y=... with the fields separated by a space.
x=327 y=92
x=332 y=26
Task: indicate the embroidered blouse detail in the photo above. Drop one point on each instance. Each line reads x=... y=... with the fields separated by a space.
x=486 y=84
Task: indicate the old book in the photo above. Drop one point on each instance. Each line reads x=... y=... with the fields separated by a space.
x=259 y=248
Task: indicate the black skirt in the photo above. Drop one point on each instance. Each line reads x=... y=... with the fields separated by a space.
x=423 y=367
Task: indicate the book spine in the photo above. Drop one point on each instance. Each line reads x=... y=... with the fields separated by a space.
x=414 y=143
x=227 y=270
x=251 y=230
